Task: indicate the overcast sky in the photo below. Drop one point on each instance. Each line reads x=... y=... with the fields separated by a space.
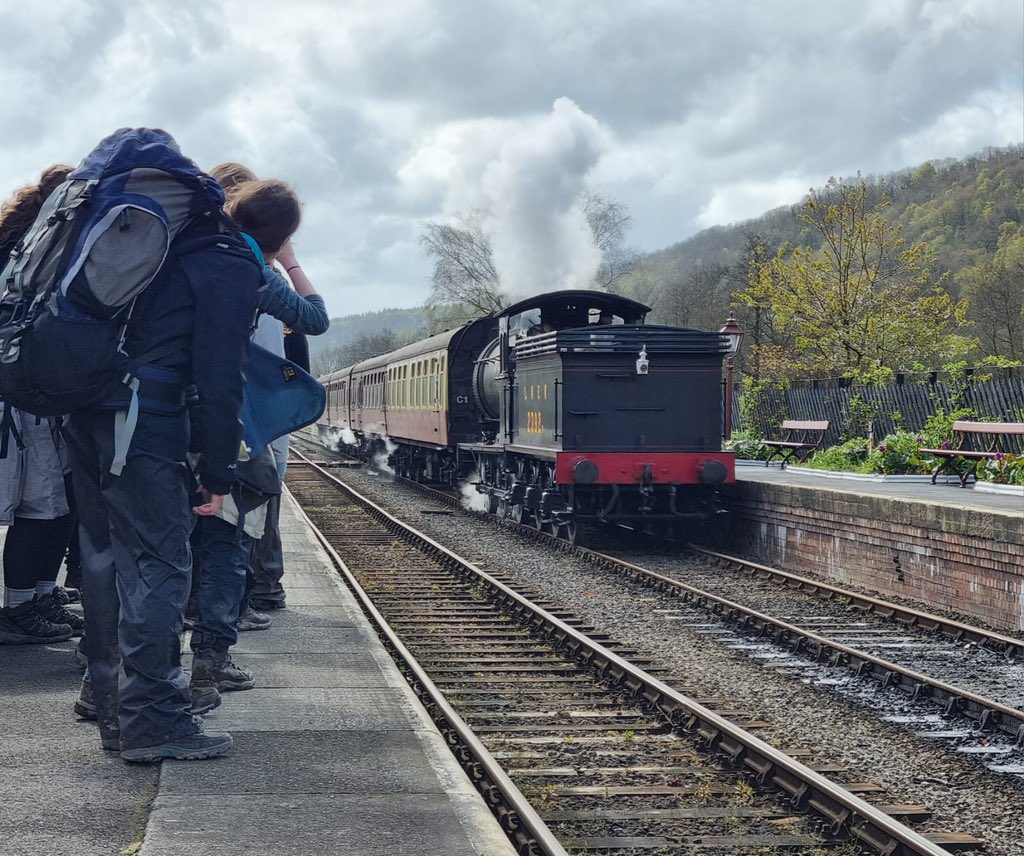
x=385 y=114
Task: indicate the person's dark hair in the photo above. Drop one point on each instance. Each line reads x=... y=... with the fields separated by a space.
x=231 y=174
x=19 y=212
x=267 y=210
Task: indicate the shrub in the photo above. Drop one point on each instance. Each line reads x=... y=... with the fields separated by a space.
x=747 y=445
x=1004 y=469
x=900 y=453
x=850 y=457
x=938 y=428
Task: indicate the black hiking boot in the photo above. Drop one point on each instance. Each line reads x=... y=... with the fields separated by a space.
x=67 y=595
x=253 y=620
x=52 y=608
x=23 y=625
x=220 y=673
x=192 y=747
x=85 y=704
x=204 y=699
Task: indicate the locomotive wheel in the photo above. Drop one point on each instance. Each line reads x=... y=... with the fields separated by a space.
x=538 y=524
x=493 y=504
x=502 y=508
x=576 y=533
x=554 y=528
x=515 y=513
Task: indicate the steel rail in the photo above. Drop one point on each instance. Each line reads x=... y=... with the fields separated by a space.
x=955 y=630
x=803 y=786
x=518 y=818
x=988 y=712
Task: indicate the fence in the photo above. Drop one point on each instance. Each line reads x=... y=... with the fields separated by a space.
x=880 y=410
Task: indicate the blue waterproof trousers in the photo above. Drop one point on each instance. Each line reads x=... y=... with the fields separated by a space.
x=135 y=570
x=224 y=552
x=266 y=589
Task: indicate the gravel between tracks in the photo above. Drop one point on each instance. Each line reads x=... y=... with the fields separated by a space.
x=962 y=795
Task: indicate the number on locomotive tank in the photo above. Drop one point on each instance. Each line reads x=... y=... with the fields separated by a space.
x=534 y=422
x=462 y=399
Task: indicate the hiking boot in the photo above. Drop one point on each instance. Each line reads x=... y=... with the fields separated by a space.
x=266 y=605
x=49 y=606
x=192 y=747
x=204 y=699
x=253 y=620
x=220 y=673
x=85 y=705
x=23 y=625
x=67 y=595
x=79 y=656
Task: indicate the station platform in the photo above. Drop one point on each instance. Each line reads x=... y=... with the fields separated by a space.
x=944 y=547
x=916 y=491
x=332 y=751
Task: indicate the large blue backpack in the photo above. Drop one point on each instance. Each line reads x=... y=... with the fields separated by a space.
x=70 y=285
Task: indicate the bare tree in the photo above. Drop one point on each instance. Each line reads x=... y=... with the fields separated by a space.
x=610 y=222
x=465 y=281
x=464 y=272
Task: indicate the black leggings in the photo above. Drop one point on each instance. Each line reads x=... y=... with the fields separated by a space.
x=33 y=550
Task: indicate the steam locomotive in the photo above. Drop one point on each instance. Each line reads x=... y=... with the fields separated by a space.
x=565 y=411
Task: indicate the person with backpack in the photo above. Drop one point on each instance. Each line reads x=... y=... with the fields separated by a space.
x=135 y=242
x=34 y=481
x=268 y=213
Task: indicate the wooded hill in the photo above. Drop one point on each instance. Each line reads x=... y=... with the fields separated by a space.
x=966 y=218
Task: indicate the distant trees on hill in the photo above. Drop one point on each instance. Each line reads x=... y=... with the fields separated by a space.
x=942 y=245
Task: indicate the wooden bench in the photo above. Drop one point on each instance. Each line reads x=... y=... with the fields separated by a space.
x=800 y=439
x=973 y=444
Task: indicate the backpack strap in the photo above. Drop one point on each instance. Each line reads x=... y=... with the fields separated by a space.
x=163 y=393
x=7 y=430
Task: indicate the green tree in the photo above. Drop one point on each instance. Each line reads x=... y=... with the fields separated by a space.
x=995 y=288
x=864 y=303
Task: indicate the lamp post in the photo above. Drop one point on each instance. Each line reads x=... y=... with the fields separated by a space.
x=734 y=333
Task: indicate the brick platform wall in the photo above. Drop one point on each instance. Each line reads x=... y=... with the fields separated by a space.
x=964 y=561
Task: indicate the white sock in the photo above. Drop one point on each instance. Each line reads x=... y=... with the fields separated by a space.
x=16 y=597
x=45 y=588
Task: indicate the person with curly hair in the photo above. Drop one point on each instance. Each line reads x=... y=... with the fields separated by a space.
x=35 y=482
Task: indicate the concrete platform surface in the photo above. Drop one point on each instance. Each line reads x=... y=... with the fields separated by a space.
x=332 y=754
x=933 y=494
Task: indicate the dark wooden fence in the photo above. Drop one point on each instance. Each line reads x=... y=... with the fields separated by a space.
x=880 y=410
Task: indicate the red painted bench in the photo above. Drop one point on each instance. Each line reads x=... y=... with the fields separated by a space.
x=973 y=444
x=801 y=438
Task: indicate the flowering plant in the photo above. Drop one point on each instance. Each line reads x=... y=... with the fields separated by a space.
x=1004 y=469
x=900 y=453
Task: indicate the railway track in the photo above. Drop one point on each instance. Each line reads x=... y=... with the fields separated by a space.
x=978 y=673
x=610 y=758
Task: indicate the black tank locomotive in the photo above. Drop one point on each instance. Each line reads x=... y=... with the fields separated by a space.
x=565 y=410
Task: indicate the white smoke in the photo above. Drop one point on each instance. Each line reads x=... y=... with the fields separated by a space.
x=472 y=499
x=523 y=182
x=533 y=211
x=334 y=438
x=381 y=460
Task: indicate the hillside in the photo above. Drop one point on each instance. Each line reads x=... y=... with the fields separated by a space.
x=968 y=213
x=345 y=329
